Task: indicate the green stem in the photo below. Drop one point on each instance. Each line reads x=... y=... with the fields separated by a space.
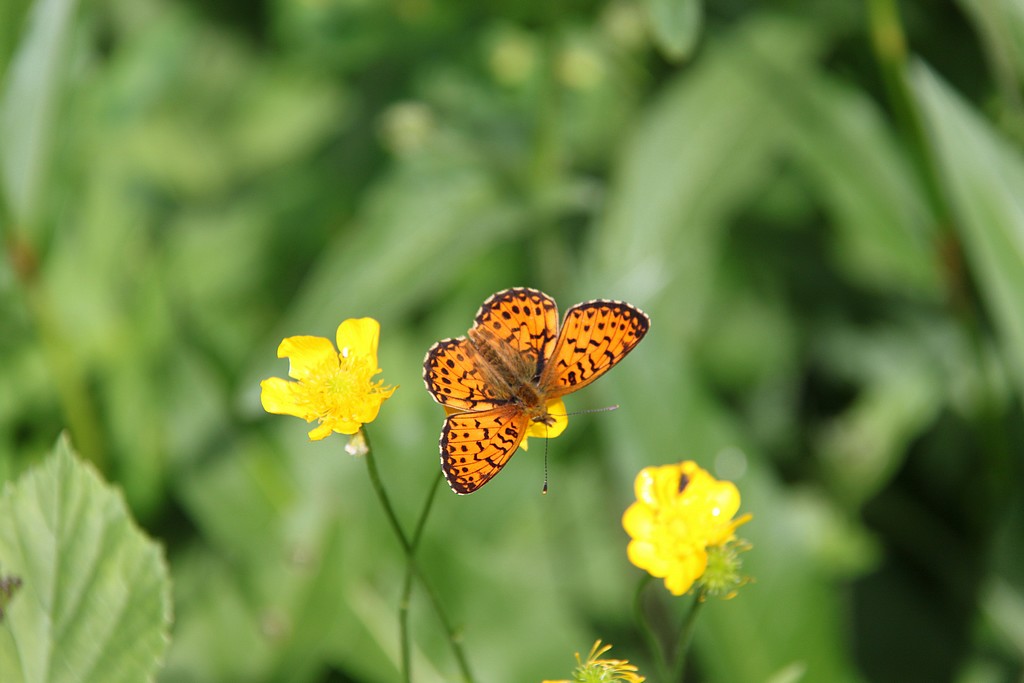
x=68 y=374
x=403 y=604
x=647 y=631
x=409 y=550
x=890 y=46
x=685 y=636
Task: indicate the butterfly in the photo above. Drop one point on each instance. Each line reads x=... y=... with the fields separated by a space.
x=501 y=379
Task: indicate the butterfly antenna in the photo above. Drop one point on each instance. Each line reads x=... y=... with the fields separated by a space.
x=544 y=489
x=591 y=410
x=605 y=409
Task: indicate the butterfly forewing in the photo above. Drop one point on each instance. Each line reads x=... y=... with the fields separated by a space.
x=456 y=378
x=475 y=446
x=520 y=321
x=595 y=336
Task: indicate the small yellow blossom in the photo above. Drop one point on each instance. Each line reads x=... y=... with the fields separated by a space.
x=333 y=386
x=556 y=410
x=597 y=670
x=680 y=513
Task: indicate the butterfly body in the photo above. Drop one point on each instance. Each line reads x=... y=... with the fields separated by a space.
x=513 y=364
x=510 y=374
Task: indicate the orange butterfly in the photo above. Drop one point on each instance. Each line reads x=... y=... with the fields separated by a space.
x=501 y=380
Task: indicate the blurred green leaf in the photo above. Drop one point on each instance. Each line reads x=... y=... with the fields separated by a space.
x=1000 y=24
x=12 y=17
x=676 y=25
x=983 y=175
x=791 y=673
x=884 y=223
x=28 y=105
x=900 y=372
x=700 y=150
x=288 y=525
x=95 y=600
x=1003 y=606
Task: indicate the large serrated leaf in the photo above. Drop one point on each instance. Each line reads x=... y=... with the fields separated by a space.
x=94 y=605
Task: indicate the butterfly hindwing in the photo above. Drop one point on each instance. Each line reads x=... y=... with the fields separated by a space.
x=475 y=446
x=595 y=335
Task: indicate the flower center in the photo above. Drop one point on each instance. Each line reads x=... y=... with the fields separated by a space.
x=344 y=390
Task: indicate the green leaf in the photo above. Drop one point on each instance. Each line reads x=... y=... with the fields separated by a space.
x=94 y=604
x=704 y=148
x=28 y=104
x=883 y=222
x=12 y=15
x=1000 y=25
x=676 y=26
x=983 y=176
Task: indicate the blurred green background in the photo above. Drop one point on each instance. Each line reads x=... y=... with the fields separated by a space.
x=820 y=205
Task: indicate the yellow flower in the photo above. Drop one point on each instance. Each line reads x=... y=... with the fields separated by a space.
x=596 y=670
x=680 y=512
x=556 y=409
x=334 y=387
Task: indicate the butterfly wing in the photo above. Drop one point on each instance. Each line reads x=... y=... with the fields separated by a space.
x=475 y=446
x=519 y=326
x=595 y=335
x=513 y=334
x=456 y=378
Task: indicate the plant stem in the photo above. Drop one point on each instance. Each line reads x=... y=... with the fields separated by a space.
x=685 y=636
x=409 y=550
x=69 y=377
x=647 y=632
x=403 y=604
x=890 y=46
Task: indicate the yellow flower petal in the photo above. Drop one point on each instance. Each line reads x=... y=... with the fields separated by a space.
x=726 y=499
x=643 y=487
x=321 y=431
x=638 y=520
x=681 y=580
x=277 y=397
x=306 y=354
x=358 y=337
x=643 y=555
x=668 y=483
